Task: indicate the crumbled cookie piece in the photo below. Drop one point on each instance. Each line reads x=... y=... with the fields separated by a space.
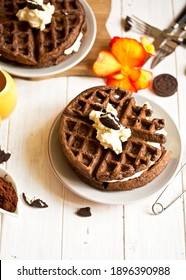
x=4 y=156
x=32 y=5
x=8 y=196
x=84 y=212
x=35 y=202
x=110 y=121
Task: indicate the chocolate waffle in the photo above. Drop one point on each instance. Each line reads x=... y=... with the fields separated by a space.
x=139 y=162
x=27 y=46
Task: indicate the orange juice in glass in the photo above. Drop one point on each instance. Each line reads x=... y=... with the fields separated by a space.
x=8 y=95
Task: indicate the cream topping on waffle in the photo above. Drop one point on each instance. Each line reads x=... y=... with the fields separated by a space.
x=157 y=145
x=162 y=131
x=75 y=47
x=154 y=144
x=108 y=137
x=135 y=175
x=37 y=18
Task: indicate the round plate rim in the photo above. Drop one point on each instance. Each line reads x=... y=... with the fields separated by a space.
x=72 y=61
x=112 y=197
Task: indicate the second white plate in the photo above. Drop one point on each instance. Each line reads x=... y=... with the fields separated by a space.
x=65 y=174
x=67 y=64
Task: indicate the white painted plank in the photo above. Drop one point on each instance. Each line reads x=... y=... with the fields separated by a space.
x=156 y=12
x=35 y=233
x=151 y=237
x=97 y=237
x=114 y=22
x=180 y=54
x=148 y=236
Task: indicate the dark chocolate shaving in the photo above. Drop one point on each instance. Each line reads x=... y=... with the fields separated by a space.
x=38 y=203
x=109 y=120
x=84 y=212
x=4 y=156
x=33 y=5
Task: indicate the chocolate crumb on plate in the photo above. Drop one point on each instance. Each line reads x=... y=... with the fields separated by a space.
x=84 y=212
x=35 y=202
x=165 y=85
x=4 y=156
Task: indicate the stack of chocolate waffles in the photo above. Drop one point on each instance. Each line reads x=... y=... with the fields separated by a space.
x=27 y=46
x=143 y=155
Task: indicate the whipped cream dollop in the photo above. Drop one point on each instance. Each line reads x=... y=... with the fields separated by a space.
x=76 y=45
x=36 y=13
x=110 y=132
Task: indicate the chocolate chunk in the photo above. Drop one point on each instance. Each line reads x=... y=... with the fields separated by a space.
x=4 y=156
x=109 y=120
x=165 y=85
x=38 y=203
x=84 y=212
x=159 y=123
x=33 y=5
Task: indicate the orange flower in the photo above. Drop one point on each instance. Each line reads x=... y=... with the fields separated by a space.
x=122 y=65
x=148 y=46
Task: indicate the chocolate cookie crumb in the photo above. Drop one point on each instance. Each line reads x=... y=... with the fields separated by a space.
x=8 y=196
x=4 y=156
x=84 y=212
x=38 y=203
x=109 y=120
x=32 y=5
x=165 y=85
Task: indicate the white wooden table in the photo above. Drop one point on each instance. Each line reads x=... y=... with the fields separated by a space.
x=113 y=231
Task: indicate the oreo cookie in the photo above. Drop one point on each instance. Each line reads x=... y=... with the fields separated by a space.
x=32 y=5
x=165 y=85
x=109 y=120
x=84 y=212
x=4 y=156
x=38 y=203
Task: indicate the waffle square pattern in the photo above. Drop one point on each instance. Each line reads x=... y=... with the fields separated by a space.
x=143 y=156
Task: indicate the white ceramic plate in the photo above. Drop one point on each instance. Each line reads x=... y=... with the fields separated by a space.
x=71 y=181
x=67 y=64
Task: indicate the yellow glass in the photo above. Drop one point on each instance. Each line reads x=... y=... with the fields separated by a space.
x=8 y=95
